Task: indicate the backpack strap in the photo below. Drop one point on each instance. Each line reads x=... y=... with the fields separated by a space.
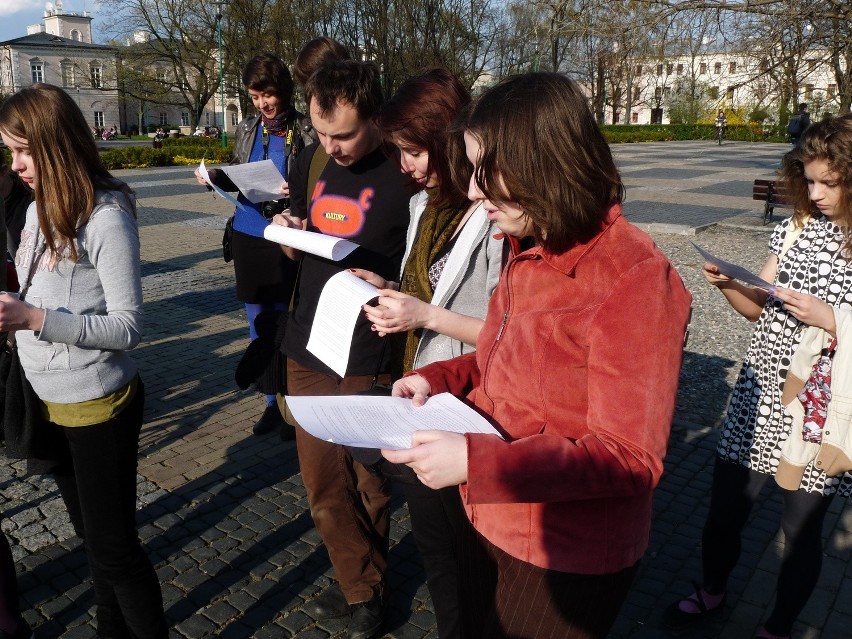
x=318 y=163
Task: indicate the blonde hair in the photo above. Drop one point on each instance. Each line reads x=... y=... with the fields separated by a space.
x=68 y=166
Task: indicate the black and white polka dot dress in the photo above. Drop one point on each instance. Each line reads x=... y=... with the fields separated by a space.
x=756 y=424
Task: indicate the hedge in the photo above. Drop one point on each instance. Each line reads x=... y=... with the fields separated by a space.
x=616 y=133
x=171 y=154
x=186 y=151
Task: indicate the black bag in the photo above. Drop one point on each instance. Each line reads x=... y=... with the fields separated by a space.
x=26 y=433
x=226 y=240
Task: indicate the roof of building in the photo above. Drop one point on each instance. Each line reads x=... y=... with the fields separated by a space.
x=50 y=40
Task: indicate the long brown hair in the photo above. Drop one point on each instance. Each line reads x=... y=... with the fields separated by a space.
x=421 y=113
x=68 y=166
x=542 y=149
x=829 y=140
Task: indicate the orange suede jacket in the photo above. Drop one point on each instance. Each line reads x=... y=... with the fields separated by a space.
x=578 y=365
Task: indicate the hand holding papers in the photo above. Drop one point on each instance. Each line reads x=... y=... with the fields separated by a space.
x=383 y=422
x=734 y=271
x=337 y=311
x=327 y=246
x=257 y=181
x=202 y=170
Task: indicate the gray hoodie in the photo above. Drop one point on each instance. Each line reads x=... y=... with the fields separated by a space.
x=93 y=307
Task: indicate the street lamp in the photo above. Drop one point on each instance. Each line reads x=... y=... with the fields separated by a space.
x=219 y=5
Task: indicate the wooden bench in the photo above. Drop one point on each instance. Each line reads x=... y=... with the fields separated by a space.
x=774 y=193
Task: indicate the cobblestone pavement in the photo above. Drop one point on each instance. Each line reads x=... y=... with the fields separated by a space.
x=223 y=513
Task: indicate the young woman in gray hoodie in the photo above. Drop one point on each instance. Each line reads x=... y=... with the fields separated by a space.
x=82 y=313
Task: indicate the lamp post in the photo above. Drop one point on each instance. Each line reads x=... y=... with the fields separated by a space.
x=219 y=5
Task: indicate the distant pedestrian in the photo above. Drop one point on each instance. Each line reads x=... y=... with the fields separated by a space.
x=799 y=123
x=782 y=420
x=83 y=312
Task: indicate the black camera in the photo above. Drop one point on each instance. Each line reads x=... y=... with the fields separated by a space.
x=274 y=207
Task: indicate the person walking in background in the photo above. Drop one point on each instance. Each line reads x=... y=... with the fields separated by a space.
x=265 y=277
x=436 y=311
x=809 y=268
x=559 y=510
x=349 y=505
x=799 y=123
x=80 y=251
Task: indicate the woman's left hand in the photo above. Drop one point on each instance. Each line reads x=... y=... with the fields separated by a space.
x=16 y=315
x=284 y=189
x=437 y=457
x=397 y=312
x=807 y=309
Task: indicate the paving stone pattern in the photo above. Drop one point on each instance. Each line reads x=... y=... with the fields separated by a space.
x=223 y=514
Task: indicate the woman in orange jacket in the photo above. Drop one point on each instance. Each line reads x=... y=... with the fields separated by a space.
x=577 y=365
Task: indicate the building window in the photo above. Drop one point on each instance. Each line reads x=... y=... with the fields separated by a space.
x=162 y=76
x=658 y=93
x=638 y=69
x=732 y=67
x=184 y=119
x=75 y=35
x=163 y=119
x=634 y=117
x=702 y=68
x=636 y=94
x=659 y=69
x=68 y=74
x=37 y=69
x=729 y=93
x=680 y=69
x=809 y=91
x=97 y=76
x=831 y=90
x=717 y=68
x=99 y=118
x=669 y=68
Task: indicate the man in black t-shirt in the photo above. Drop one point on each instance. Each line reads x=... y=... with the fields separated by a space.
x=362 y=196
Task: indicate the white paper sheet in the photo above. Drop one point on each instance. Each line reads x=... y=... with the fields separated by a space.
x=257 y=181
x=734 y=270
x=334 y=322
x=327 y=246
x=204 y=174
x=367 y=421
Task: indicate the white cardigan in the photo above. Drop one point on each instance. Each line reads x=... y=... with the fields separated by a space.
x=834 y=454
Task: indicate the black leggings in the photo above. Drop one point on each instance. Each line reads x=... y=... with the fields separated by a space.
x=735 y=489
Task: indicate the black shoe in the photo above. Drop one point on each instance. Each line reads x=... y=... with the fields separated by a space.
x=331 y=604
x=287 y=432
x=269 y=421
x=23 y=632
x=367 y=619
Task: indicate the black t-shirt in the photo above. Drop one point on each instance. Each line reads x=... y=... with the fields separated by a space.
x=366 y=203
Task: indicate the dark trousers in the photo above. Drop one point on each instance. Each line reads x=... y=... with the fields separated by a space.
x=735 y=489
x=349 y=505
x=506 y=598
x=99 y=490
x=437 y=521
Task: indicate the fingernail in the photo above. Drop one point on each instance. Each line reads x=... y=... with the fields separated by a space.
x=373 y=327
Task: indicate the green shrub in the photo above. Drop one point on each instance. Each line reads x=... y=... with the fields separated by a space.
x=135 y=157
x=619 y=133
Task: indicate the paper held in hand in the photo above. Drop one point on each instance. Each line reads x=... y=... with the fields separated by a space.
x=733 y=270
x=257 y=181
x=365 y=421
x=327 y=246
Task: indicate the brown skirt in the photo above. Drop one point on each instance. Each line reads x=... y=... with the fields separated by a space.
x=505 y=598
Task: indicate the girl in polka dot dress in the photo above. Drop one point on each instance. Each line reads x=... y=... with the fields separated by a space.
x=810 y=266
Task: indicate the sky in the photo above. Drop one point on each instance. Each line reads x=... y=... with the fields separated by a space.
x=16 y=15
